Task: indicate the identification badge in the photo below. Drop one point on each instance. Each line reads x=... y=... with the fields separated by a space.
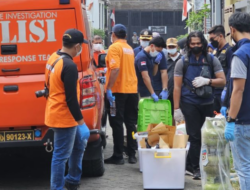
x=223 y=51
x=204 y=153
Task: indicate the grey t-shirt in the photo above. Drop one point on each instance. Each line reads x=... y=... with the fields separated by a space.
x=239 y=69
x=179 y=67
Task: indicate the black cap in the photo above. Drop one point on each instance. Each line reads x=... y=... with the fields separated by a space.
x=146 y=34
x=119 y=28
x=74 y=36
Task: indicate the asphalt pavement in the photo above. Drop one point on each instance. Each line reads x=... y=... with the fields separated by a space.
x=29 y=169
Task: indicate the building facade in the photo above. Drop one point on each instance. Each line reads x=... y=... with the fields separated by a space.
x=140 y=14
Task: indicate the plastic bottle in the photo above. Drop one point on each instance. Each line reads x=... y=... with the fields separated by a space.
x=113 y=109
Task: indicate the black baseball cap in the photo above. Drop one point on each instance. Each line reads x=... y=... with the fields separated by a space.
x=119 y=28
x=74 y=36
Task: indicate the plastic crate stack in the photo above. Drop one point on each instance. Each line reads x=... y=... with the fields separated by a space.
x=153 y=112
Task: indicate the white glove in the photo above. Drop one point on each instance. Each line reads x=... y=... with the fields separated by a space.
x=178 y=116
x=200 y=81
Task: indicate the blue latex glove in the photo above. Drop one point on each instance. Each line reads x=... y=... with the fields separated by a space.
x=158 y=58
x=223 y=111
x=229 y=131
x=223 y=95
x=84 y=132
x=110 y=96
x=155 y=97
x=164 y=95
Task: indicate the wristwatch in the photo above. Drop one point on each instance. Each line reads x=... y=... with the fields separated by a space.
x=210 y=82
x=230 y=120
x=165 y=89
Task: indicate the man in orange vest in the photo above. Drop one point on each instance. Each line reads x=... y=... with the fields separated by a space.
x=63 y=112
x=97 y=47
x=121 y=88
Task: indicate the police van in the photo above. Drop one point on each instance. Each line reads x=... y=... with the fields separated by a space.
x=30 y=31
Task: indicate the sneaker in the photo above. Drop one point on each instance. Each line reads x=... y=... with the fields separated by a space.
x=197 y=174
x=71 y=186
x=132 y=160
x=113 y=160
x=189 y=170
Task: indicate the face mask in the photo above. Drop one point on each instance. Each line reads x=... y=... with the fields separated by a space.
x=172 y=51
x=154 y=53
x=196 y=50
x=215 y=43
x=144 y=43
x=233 y=42
x=79 y=52
x=111 y=40
x=97 y=47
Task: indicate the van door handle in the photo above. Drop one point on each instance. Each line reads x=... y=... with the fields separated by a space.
x=11 y=88
x=10 y=70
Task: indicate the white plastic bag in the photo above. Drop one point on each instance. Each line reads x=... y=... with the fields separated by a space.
x=215 y=156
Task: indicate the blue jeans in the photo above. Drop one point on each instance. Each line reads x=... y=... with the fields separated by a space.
x=241 y=154
x=69 y=145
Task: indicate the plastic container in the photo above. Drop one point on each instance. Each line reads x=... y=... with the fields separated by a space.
x=113 y=109
x=164 y=168
x=153 y=112
x=139 y=138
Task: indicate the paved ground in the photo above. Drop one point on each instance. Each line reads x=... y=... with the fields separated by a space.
x=32 y=172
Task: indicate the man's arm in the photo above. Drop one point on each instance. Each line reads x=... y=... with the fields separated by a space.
x=69 y=77
x=164 y=78
x=237 y=96
x=239 y=75
x=155 y=69
x=113 y=76
x=177 y=91
x=178 y=80
x=147 y=81
x=113 y=58
x=219 y=81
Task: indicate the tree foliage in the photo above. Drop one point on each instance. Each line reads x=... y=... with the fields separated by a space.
x=99 y=33
x=196 y=19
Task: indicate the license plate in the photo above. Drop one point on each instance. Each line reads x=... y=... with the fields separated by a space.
x=8 y=136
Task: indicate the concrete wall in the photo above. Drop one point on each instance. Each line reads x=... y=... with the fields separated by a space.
x=96 y=14
x=146 y=4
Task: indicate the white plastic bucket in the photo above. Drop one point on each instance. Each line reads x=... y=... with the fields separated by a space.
x=163 y=168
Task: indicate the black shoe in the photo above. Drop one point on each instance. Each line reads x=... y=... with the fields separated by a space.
x=189 y=170
x=70 y=186
x=197 y=174
x=113 y=160
x=132 y=160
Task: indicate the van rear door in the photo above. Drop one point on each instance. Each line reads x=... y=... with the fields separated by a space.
x=28 y=38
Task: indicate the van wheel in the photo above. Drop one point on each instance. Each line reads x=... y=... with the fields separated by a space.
x=94 y=168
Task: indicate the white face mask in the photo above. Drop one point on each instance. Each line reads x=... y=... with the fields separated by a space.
x=111 y=40
x=172 y=51
x=144 y=43
x=79 y=52
x=97 y=47
x=154 y=53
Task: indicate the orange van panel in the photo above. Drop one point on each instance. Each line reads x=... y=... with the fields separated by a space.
x=37 y=35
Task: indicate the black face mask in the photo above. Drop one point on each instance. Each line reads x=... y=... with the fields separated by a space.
x=215 y=44
x=196 y=50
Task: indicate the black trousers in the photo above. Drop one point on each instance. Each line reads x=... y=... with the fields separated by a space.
x=195 y=117
x=126 y=112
